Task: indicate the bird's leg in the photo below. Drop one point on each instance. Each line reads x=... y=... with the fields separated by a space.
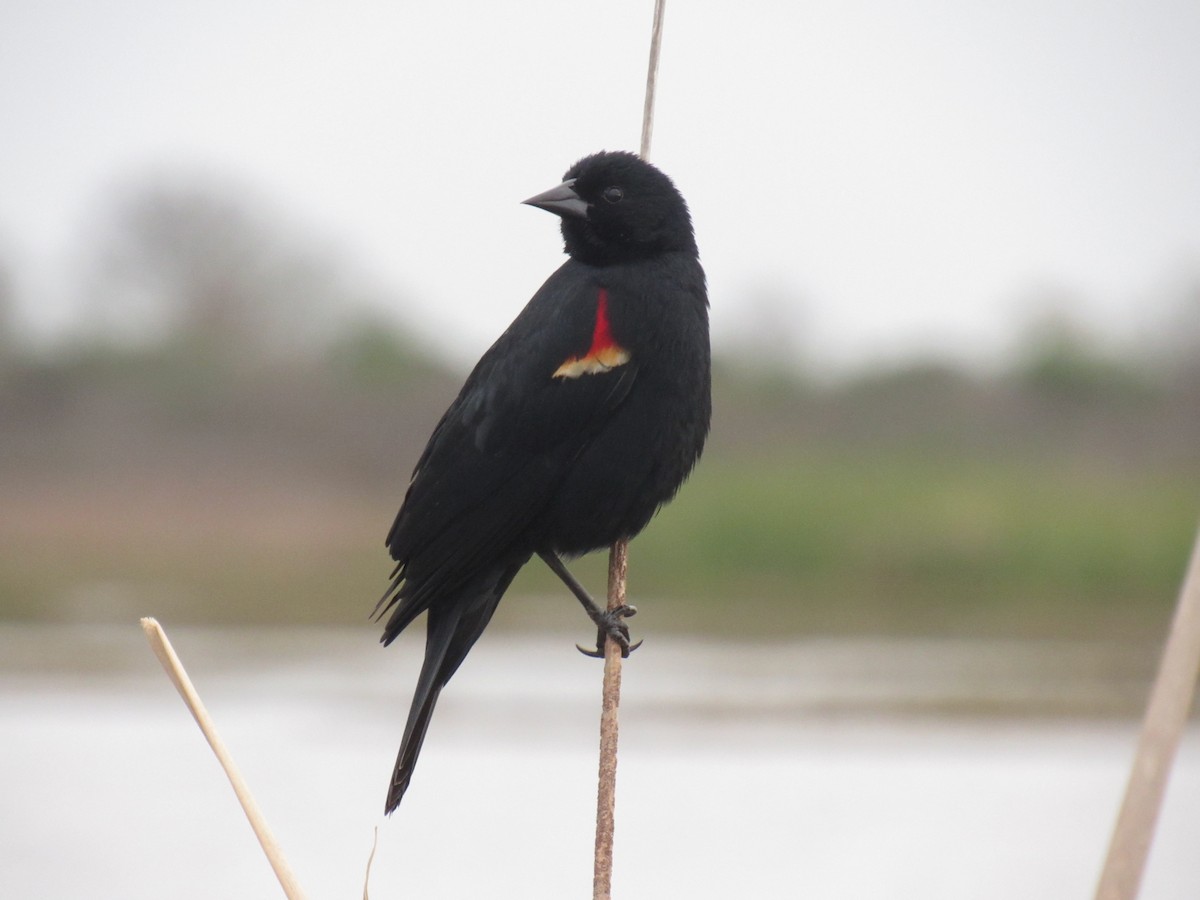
x=609 y=622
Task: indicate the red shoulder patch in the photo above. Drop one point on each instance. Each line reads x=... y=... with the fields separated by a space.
x=604 y=353
x=602 y=337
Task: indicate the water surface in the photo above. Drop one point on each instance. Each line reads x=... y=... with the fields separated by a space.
x=819 y=769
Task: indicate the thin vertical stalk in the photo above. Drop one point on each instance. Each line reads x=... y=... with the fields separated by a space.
x=606 y=794
x=651 y=80
x=618 y=565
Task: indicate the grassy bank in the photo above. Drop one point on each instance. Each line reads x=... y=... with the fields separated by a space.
x=834 y=541
x=894 y=543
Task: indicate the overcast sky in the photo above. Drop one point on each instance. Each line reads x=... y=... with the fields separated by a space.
x=871 y=179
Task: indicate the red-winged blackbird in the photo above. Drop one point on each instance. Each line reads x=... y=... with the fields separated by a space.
x=573 y=429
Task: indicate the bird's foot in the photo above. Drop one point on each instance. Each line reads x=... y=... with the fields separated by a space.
x=610 y=625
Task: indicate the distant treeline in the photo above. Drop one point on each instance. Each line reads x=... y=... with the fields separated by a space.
x=218 y=445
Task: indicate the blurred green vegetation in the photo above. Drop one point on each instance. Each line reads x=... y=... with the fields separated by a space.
x=921 y=501
x=228 y=467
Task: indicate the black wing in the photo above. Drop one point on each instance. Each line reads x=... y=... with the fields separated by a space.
x=502 y=447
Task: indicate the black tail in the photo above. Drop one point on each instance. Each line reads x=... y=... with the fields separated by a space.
x=453 y=626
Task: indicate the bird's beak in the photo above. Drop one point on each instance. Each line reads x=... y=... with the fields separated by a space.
x=561 y=200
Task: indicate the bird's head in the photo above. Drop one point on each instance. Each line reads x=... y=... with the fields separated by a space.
x=615 y=207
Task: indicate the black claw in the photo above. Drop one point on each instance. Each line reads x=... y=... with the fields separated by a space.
x=599 y=654
x=610 y=626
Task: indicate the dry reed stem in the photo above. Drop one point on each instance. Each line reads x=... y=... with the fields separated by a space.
x=606 y=794
x=1162 y=728
x=179 y=677
x=651 y=79
x=618 y=565
x=370 y=860
x=1167 y=715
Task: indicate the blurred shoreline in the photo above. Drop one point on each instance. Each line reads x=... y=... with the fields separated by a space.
x=765 y=680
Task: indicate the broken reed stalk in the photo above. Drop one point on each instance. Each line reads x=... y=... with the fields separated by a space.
x=618 y=564
x=1162 y=728
x=174 y=668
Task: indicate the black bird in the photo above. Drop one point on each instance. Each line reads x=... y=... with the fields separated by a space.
x=573 y=429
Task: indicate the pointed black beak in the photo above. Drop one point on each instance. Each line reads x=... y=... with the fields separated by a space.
x=561 y=200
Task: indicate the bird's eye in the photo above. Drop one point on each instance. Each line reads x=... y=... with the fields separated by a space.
x=613 y=194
